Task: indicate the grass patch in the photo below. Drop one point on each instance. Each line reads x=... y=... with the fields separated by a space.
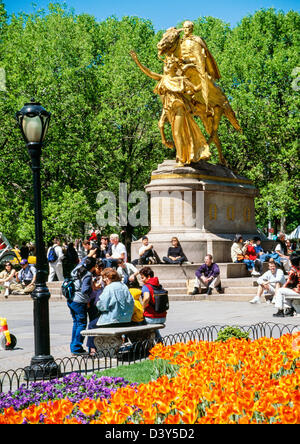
x=140 y=372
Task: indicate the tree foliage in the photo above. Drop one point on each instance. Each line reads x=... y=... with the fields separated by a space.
x=103 y=128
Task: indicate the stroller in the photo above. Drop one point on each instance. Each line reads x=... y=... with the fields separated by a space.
x=7 y=254
x=4 y=245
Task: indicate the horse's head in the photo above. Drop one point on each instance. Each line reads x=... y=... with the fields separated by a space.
x=169 y=41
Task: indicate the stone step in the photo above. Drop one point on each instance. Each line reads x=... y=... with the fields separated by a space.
x=227 y=290
x=231 y=282
x=212 y=297
x=56 y=284
x=187 y=271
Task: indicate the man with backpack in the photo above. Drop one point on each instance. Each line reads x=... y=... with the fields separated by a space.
x=78 y=301
x=152 y=291
x=55 y=256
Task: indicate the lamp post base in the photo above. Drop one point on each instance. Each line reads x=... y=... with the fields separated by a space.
x=42 y=365
x=42 y=368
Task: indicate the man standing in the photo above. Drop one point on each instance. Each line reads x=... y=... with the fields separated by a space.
x=208 y=274
x=55 y=256
x=290 y=288
x=269 y=282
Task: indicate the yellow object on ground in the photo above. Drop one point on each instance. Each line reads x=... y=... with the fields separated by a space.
x=5 y=331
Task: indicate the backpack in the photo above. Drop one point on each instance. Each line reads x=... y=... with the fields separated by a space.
x=52 y=256
x=68 y=288
x=161 y=298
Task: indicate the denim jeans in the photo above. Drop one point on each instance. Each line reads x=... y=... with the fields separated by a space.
x=79 y=315
x=167 y=260
x=249 y=264
x=158 y=336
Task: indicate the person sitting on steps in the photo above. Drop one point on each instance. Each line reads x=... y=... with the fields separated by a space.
x=290 y=288
x=146 y=253
x=238 y=254
x=269 y=282
x=175 y=253
x=208 y=274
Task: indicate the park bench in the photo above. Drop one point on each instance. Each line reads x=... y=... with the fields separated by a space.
x=109 y=340
x=295 y=299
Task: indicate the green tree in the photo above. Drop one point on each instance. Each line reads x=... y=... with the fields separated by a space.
x=103 y=129
x=257 y=63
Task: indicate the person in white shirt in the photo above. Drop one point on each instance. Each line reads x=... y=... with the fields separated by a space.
x=118 y=250
x=281 y=249
x=128 y=273
x=269 y=282
x=56 y=268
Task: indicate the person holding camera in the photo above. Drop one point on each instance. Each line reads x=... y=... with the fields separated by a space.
x=83 y=281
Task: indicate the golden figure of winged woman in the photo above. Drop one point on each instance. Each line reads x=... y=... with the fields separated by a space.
x=175 y=92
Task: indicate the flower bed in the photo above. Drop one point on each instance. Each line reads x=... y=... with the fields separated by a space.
x=237 y=381
x=34 y=403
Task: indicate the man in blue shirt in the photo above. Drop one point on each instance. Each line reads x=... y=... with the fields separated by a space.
x=208 y=274
x=25 y=279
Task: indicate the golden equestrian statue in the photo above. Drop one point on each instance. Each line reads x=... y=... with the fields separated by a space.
x=188 y=88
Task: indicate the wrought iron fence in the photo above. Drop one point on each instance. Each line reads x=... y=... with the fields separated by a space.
x=114 y=357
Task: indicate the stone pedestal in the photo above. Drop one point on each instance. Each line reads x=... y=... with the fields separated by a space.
x=204 y=205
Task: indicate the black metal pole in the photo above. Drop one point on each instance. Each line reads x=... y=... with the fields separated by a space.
x=42 y=363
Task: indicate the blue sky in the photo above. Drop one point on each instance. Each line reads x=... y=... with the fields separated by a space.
x=162 y=13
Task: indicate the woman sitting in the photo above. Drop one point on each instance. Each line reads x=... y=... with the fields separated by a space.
x=115 y=305
x=252 y=255
x=175 y=253
x=282 y=251
x=7 y=277
x=238 y=254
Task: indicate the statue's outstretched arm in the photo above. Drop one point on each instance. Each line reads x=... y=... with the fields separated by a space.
x=152 y=75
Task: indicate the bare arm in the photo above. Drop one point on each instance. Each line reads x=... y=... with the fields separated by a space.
x=143 y=68
x=146 y=299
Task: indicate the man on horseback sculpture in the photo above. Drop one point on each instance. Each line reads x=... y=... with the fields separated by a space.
x=196 y=67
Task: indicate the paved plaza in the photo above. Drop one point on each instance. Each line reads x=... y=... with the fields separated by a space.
x=182 y=316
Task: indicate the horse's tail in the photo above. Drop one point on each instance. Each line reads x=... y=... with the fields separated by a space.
x=230 y=114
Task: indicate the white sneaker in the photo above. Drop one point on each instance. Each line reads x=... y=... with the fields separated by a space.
x=255 y=300
x=255 y=273
x=6 y=294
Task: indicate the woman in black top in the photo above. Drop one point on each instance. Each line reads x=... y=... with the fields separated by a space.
x=175 y=253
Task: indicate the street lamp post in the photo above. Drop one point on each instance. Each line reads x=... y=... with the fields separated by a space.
x=33 y=121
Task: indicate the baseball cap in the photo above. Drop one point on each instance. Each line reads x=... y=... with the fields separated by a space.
x=24 y=261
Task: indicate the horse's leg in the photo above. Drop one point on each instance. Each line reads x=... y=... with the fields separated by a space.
x=214 y=125
x=219 y=147
x=161 y=124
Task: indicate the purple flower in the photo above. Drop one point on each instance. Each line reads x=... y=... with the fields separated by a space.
x=73 y=387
